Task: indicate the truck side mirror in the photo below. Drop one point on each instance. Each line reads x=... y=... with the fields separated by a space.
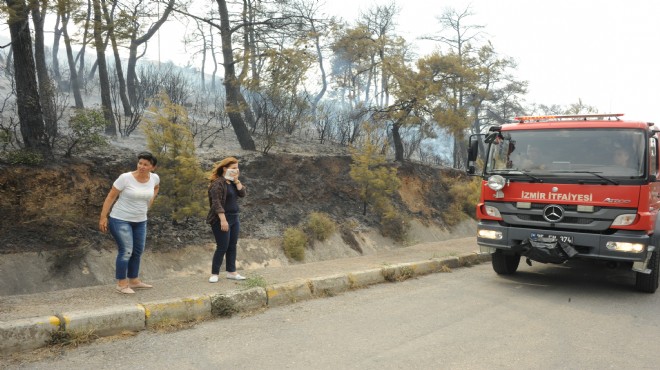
x=473 y=150
x=473 y=154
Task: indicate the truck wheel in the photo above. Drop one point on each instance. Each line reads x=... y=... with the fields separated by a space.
x=505 y=264
x=648 y=283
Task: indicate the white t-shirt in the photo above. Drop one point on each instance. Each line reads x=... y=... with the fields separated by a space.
x=133 y=201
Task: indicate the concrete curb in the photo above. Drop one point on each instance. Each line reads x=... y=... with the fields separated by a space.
x=106 y=321
x=32 y=333
x=167 y=311
x=225 y=304
x=361 y=279
x=27 y=334
x=328 y=286
x=286 y=293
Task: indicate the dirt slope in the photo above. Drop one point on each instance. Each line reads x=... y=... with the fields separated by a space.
x=49 y=238
x=57 y=206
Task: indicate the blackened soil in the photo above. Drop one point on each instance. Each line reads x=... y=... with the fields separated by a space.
x=56 y=207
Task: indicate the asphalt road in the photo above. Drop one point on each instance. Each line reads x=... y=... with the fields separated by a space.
x=545 y=317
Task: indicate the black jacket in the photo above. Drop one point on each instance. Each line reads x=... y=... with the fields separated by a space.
x=218 y=199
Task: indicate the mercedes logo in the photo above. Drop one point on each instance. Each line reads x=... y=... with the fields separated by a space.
x=553 y=213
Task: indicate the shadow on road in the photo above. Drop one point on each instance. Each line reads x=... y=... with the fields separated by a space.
x=575 y=276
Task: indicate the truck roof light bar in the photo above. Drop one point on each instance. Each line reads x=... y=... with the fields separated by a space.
x=584 y=117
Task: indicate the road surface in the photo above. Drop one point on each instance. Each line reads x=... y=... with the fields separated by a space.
x=545 y=317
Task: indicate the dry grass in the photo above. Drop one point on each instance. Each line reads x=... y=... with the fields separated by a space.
x=73 y=338
x=465 y=196
x=169 y=325
x=295 y=241
x=255 y=281
x=406 y=273
x=445 y=268
x=320 y=226
x=389 y=273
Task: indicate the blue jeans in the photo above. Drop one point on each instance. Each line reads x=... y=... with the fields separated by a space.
x=131 y=238
x=225 y=244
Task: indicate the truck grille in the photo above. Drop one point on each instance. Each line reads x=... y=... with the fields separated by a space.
x=597 y=221
x=567 y=207
x=568 y=220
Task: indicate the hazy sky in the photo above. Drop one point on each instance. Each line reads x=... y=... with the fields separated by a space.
x=605 y=52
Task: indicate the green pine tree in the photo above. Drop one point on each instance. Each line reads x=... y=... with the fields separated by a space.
x=375 y=179
x=183 y=182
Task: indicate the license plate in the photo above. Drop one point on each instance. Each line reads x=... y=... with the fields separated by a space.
x=551 y=238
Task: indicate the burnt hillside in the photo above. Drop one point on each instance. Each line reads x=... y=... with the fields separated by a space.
x=57 y=206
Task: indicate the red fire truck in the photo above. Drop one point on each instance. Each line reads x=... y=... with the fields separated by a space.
x=563 y=187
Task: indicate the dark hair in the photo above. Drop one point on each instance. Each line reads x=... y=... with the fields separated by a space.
x=148 y=156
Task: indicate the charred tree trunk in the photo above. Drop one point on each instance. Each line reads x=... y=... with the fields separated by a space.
x=324 y=78
x=398 y=143
x=73 y=74
x=232 y=85
x=205 y=48
x=106 y=102
x=81 y=55
x=131 y=75
x=27 y=93
x=92 y=71
x=126 y=104
x=46 y=88
x=57 y=34
x=215 y=61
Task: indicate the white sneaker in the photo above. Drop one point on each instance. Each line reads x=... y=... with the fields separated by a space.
x=235 y=277
x=213 y=279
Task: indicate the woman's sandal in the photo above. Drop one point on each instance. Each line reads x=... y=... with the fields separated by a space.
x=124 y=290
x=140 y=285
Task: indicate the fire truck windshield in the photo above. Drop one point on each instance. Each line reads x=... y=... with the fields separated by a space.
x=609 y=153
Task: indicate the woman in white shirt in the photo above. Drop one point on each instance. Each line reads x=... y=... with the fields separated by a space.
x=135 y=193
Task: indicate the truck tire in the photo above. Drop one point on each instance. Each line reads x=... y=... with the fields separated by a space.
x=505 y=264
x=648 y=283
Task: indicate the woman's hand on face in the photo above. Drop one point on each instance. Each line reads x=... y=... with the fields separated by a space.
x=231 y=174
x=224 y=225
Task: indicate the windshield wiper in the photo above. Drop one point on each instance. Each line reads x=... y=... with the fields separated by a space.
x=592 y=173
x=518 y=172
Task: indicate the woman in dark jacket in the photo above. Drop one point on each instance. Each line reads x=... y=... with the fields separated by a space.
x=224 y=191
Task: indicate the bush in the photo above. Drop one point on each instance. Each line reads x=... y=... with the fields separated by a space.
x=320 y=226
x=86 y=128
x=295 y=241
x=465 y=194
x=25 y=157
x=5 y=138
x=393 y=225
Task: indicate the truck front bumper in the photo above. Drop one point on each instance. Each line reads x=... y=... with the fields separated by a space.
x=588 y=245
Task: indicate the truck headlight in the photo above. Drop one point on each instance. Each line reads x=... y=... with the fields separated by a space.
x=496 y=182
x=625 y=247
x=624 y=220
x=489 y=234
